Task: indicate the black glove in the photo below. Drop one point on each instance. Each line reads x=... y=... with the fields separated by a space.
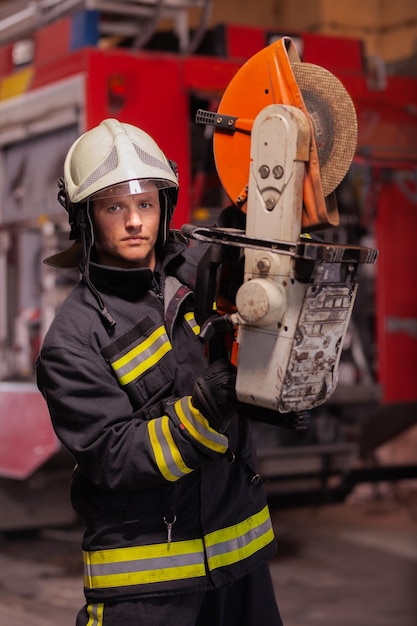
x=297 y=420
x=214 y=394
x=294 y=420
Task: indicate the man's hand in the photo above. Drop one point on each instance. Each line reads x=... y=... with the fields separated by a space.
x=214 y=394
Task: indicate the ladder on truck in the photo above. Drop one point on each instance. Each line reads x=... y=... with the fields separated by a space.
x=134 y=19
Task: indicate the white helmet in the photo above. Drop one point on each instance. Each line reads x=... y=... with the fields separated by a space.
x=110 y=159
x=114 y=152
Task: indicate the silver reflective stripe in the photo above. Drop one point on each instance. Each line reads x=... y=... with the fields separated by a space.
x=110 y=163
x=145 y=565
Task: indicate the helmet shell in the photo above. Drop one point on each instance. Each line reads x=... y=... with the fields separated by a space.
x=114 y=152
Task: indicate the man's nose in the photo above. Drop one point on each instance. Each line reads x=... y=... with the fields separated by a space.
x=133 y=218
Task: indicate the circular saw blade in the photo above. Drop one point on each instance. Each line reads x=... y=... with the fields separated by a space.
x=257 y=84
x=333 y=115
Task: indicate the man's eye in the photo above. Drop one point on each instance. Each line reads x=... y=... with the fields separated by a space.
x=113 y=208
x=144 y=205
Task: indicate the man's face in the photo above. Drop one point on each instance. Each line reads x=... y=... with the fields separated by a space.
x=126 y=229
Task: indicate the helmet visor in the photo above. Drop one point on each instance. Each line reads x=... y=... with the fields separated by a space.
x=132 y=187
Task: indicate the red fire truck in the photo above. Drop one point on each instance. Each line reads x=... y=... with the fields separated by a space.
x=63 y=77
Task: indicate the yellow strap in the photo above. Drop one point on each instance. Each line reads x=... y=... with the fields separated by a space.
x=238 y=542
x=167 y=455
x=177 y=560
x=189 y=317
x=198 y=427
x=142 y=357
x=95 y=614
x=141 y=565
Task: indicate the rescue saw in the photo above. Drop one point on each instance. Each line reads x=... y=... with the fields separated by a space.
x=285 y=134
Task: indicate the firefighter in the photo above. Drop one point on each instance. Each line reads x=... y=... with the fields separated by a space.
x=177 y=527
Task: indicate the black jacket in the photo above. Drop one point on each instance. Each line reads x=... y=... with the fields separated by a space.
x=169 y=504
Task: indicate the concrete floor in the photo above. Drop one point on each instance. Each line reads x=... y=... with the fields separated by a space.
x=353 y=564
x=348 y=565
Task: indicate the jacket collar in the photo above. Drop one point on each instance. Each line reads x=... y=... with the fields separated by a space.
x=130 y=284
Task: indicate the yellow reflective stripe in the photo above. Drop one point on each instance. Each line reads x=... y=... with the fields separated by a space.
x=95 y=614
x=142 y=357
x=239 y=541
x=142 y=565
x=198 y=427
x=167 y=456
x=189 y=317
x=178 y=560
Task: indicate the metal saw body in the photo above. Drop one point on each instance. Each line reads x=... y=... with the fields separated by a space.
x=291 y=311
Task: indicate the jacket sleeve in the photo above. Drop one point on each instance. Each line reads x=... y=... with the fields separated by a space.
x=112 y=445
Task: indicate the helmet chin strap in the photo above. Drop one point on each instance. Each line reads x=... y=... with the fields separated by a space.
x=166 y=216
x=87 y=240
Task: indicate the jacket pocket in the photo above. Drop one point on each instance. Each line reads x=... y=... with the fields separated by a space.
x=156 y=383
x=142 y=362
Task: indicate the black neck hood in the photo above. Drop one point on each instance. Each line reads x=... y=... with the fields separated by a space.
x=131 y=284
